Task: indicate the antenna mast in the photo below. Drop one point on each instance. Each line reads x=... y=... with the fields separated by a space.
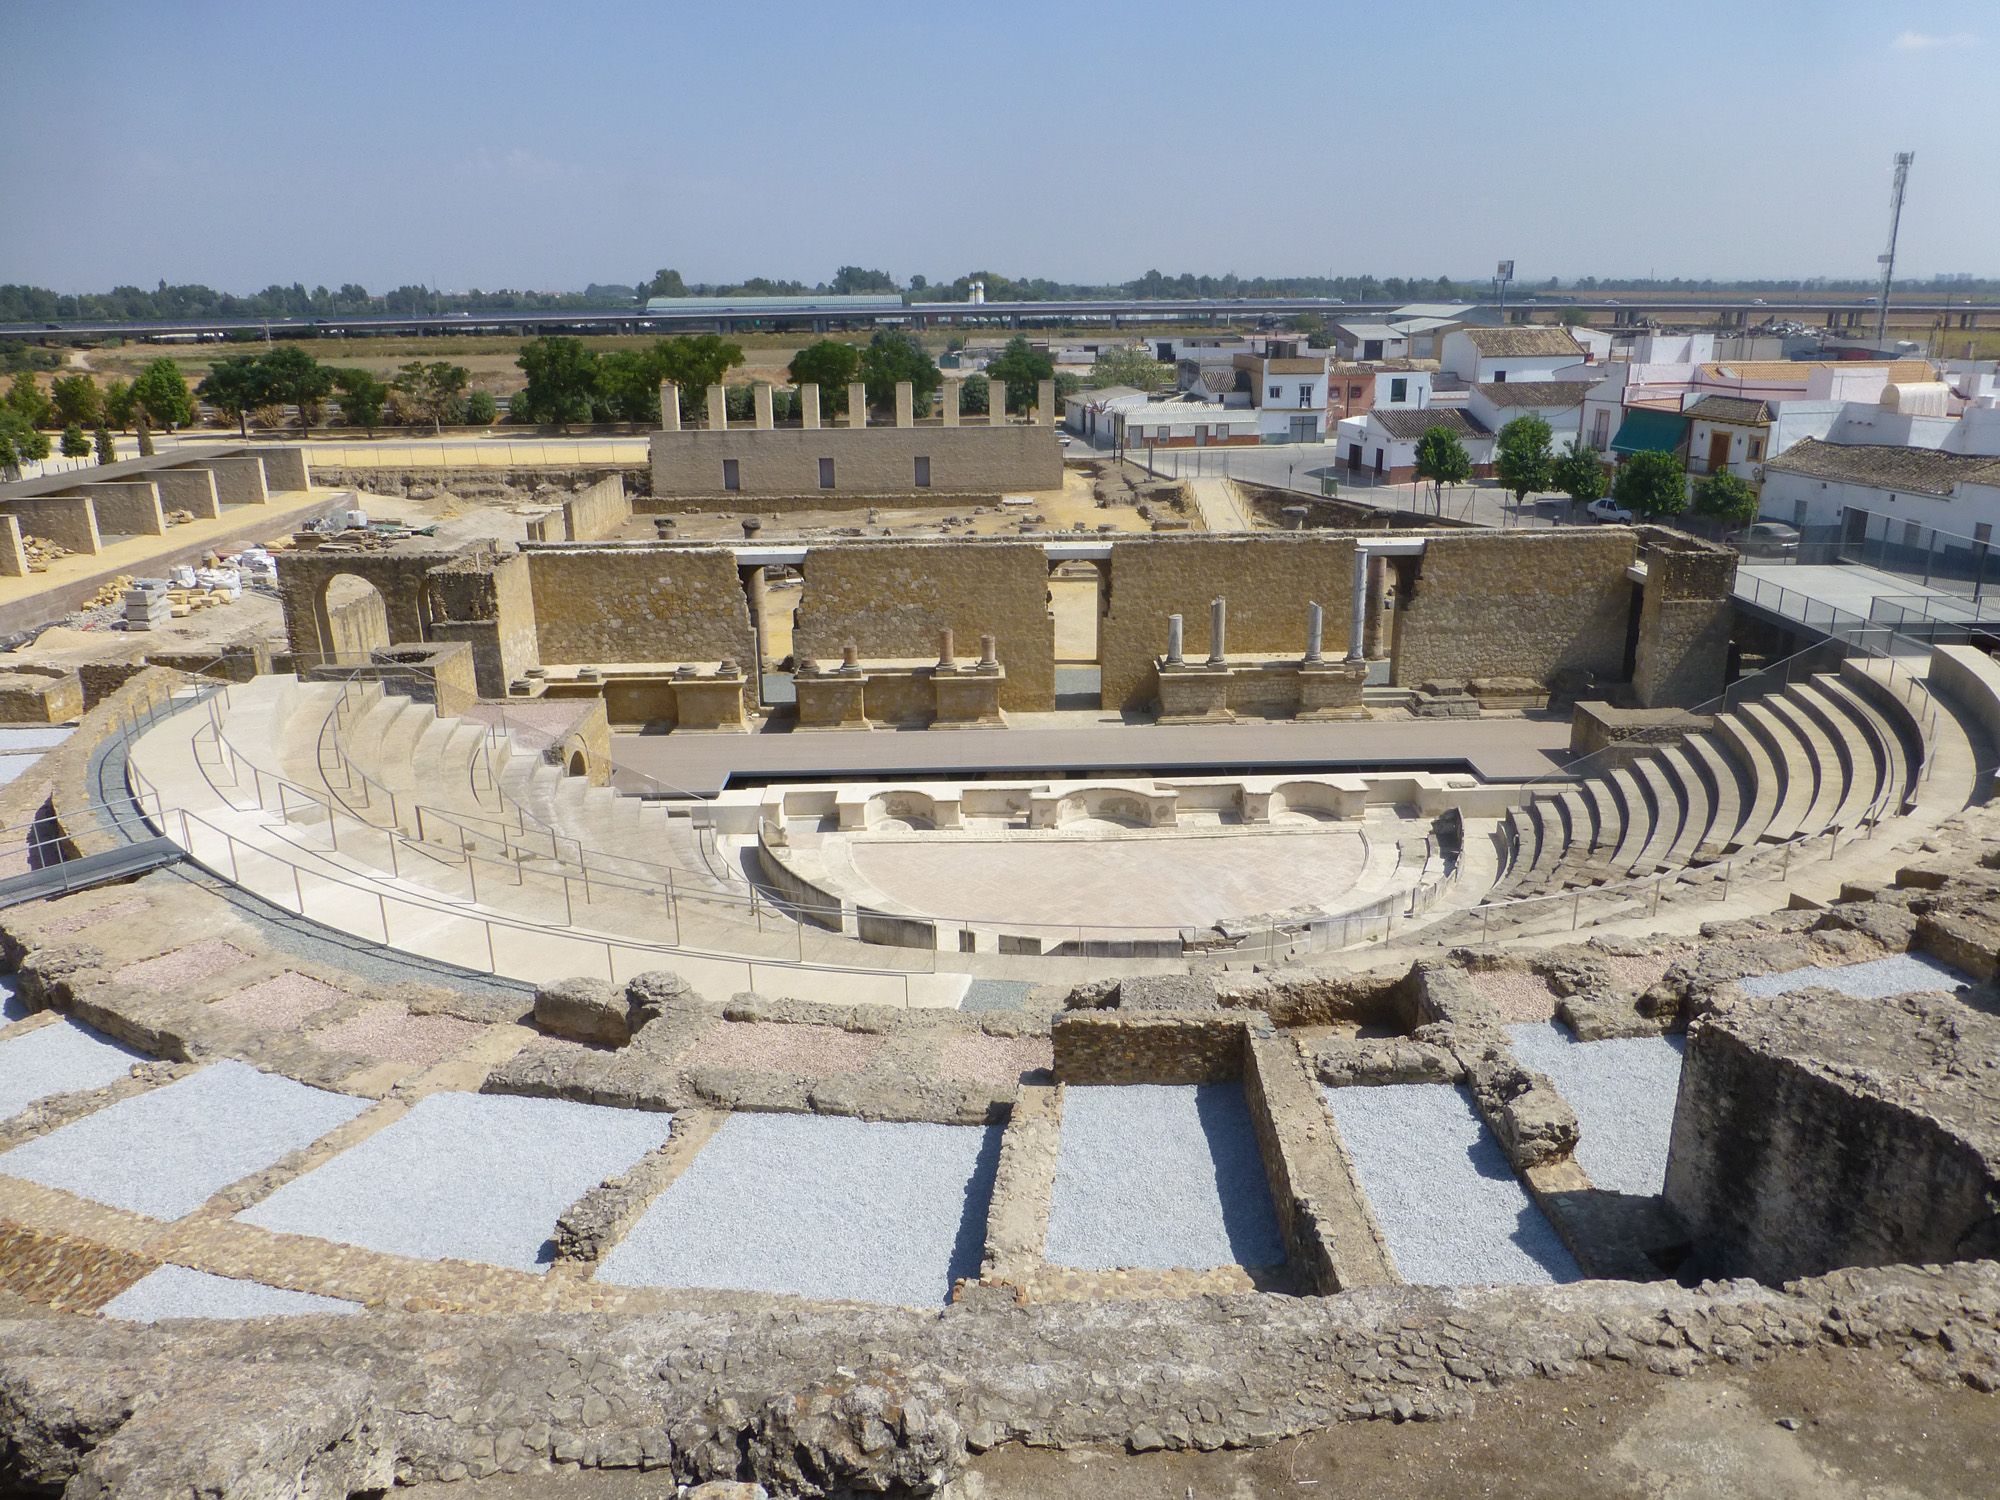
x=1888 y=259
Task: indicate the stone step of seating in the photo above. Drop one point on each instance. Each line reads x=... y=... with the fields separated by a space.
x=1791 y=762
x=1518 y=835
x=1723 y=775
x=1602 y=817
x=1870 y=688
x=1763 y=782
x=1691 y=789
x=1890 y=749
x=1828 y=771
x=1669 y=810
x=1861 y=764
x=1636 y=817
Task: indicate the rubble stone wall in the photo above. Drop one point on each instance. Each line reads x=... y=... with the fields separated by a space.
x=643 y=603
x=1137 y=1046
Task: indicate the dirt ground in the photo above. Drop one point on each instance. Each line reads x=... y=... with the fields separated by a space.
x=1812 y=1426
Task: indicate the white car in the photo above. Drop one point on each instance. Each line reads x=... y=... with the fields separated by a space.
x=1608 y=509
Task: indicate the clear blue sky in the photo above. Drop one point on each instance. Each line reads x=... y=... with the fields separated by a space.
x=548 y=145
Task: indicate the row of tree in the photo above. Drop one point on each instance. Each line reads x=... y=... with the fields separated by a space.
x=1650 y=485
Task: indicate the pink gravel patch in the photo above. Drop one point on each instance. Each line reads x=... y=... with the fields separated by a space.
x=76 y=921
x=994 y=1059
x=1638 y=974
x=775 y=1047
x=388 y=1033
x=183 y=966
x=280 y=1002
x=1518 y=995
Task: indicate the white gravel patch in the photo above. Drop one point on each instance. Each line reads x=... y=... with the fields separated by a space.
x=479 y=1177
x=177 y=1292
x=1878 y=979
x=59 y=1059
x=167 y=1151
x=1450 y=1206
x=820 y=1206
x=12 y=1006
x=1623 y=1092
x=1160 y=1176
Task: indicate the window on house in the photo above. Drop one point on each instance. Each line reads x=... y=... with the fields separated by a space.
x=732 y=475
x=1399 y=390
x=1600 y=430
x=1912 y=534
x=1756 y=448
x=826 y=473
x=923 y=473
x=1306 y=394
x=1354 y=393
x=1277 y=393
x=1499 y=377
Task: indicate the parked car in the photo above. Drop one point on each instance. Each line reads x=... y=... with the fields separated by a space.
x=1608 y=509
x=1769 y=539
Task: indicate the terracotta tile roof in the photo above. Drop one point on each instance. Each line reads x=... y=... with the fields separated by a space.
x=1535 y=392
x=1798 y=371
x=1740 y=409
x=1414 y=423
x=1524 y=339
x=1883 y=466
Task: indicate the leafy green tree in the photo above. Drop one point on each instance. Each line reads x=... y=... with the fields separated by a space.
x=1442 y=460
x=663 y=283
x=1578 y=473
x=849 y=280
x=830 y=365
x=432 y=389
x=1067 y=385
x=295 y=378
x=27 y=401
x=562 y=381
x=1521 y=456
x=107 y=450
x=74 y=443
x=1651 y=485
x=19 y=441
x=628 y=385
x=235 y=386
x=1021 y=368
x=118 y=404
x=78 y=401
x=1725 y=497
x=161 y=392
x=694 y=363
x=362 y=397
x=974 y=396
x=481 y=409
x=1129 y=366
x=892 y=356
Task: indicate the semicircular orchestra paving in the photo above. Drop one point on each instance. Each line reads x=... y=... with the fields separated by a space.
x=495 y=1106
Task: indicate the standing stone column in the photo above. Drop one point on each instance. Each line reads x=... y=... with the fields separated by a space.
x=1045 y=402
x=1174 y=657
x=989 y=653
x=1218 y=624
x=755 y=595
x=906 y=404
x=1315 y=633
x=1358 y=625
x=809 y=405
x=857 y=404
x=765 y=420
x=1378 y=582
x=670 y=407
x=951 y=393
x=945 y=661
x=718 y=410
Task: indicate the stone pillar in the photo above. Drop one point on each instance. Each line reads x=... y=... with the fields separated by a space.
x=765 y=420
x=1045 y=402
x=670 y=407
x=945 y=661
x=857 y=404
x=1315 y=633
x=989 y=653
x=850 y=659
x=951 y=388
x=809 y=405
x=1218 y=625
x=754 y=592
x=906 y=404
x=1174 y=657
x=1358 y=625
x=718 y=409
x=1378 y=583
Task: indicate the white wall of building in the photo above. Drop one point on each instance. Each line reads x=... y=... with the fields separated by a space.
x=1802 y=500
x=1462 y=358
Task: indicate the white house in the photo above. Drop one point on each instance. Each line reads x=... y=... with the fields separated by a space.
x=1184 y=424
x=1519 y=351
x=1088 y=414
x=1289 y=395
x=1815 y=482
x=1383 y=442
x=1370 y=341
x=1557 y=402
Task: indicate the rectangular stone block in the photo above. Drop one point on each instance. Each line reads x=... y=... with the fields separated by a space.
x=832 y=701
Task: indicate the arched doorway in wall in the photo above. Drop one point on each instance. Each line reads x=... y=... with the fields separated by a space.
x=576 y=767
x=353 y=618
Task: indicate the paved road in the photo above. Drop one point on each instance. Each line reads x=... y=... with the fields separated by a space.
x=1493 y=749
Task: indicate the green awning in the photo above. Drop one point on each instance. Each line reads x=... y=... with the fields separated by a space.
x=1647 y=431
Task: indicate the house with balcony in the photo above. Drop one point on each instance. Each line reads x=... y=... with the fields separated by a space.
x=1729 y=433
x=1288 y=393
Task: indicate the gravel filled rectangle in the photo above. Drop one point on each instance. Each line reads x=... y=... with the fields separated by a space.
x=177 y=1292
x=110 y=911
x=1878 y=979
x=59 y=1059
x=780 y=1047
x=1450 y=1206
x=388 y=1033
x=479 y=1177
x=183 y=966
x=1623 y=1092
x=280 y=1002
x=167 y=1151
x=977 y=1058
x=1160 y=1176
x=820 y=1206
